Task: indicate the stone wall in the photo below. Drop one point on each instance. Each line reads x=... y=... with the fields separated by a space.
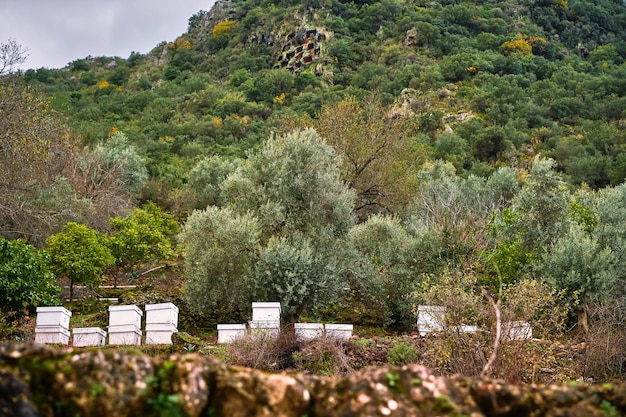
x=37 y=380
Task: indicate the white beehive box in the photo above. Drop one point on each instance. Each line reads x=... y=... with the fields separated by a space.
x=162 y=313
x=88 y=336
x=430 y=319
x=53 y=316
x=160 y=333
x=52 y=334
x=266 y=312
x=517 y=330
x=227 y=333
x=127 y=334
x=269 y=327
x=465 y=328
x=125 y=315
x=308 y=331
x=338 y=331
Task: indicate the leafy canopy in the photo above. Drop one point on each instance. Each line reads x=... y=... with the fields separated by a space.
x=26 y=281
x=79 y=254
x=278 y=235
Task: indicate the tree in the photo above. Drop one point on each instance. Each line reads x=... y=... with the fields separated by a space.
x=579 y=265
x=111 y=175
x=293 y=185
x=26 y=281
x=301 y=273
x=541 y=206
x=388 y=247
x=37 y=159
x=452 y=212
x=221 y=251
x=373 y=141
x=205 y=179
x=79 y=254
x=12 y=54
x=145 y=235
x=279 y=234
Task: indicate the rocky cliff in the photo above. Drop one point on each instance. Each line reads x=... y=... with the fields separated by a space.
x=40 y=380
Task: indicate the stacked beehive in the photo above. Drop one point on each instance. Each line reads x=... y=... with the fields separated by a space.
x=53 y=325
x=161 y=323
x=125 y=325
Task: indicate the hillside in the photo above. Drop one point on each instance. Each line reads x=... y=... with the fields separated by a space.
x=488 y=83
x=352 y=160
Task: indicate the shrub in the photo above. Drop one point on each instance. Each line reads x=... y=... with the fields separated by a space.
x=403 y=353
x=323 y=356
x=265 y=351
x=605 y=352
x=224 y=27
x=26 y=281
x=253 y=351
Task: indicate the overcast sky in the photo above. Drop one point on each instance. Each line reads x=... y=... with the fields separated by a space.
x=57 y=32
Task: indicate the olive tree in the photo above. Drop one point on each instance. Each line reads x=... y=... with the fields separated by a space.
x=206 y=177
x=386 y=245
x=535 y=219
x=221 y=250
x=279 y=233
x=579 y=265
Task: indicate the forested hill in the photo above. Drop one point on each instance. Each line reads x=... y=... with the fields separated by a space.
x=350 y=159
x=487 y=83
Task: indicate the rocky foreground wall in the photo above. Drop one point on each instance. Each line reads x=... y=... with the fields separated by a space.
x=38 y=380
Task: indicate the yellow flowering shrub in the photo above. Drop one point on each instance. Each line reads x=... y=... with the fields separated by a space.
x=180 y=43
x=518 y=46
x=224 y=27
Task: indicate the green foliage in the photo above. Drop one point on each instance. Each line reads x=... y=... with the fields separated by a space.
x=205 y=178
x=293 y=185
x=579 y=265
x=79 y=254
x=541 y=208
x=299 y=275
x=403 y=353
x=221 y=248
x=26 y=281
x=278 y=235
x=384 y=243
x=118 y=156
x=484 y=87
x=145 y=235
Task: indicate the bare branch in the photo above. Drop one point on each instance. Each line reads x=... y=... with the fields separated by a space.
x=12 y=54
x=496 y=339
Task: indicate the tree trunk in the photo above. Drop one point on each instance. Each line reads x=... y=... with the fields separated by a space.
x=583 y=324
x=71 y=290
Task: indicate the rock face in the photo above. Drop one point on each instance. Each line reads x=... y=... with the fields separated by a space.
x=300 y=49
x=40 y=380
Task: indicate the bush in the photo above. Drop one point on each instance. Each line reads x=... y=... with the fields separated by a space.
x=323 y=356
x=265 y=351
x=403 y=353
x=25 y=279
x=605 y=353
